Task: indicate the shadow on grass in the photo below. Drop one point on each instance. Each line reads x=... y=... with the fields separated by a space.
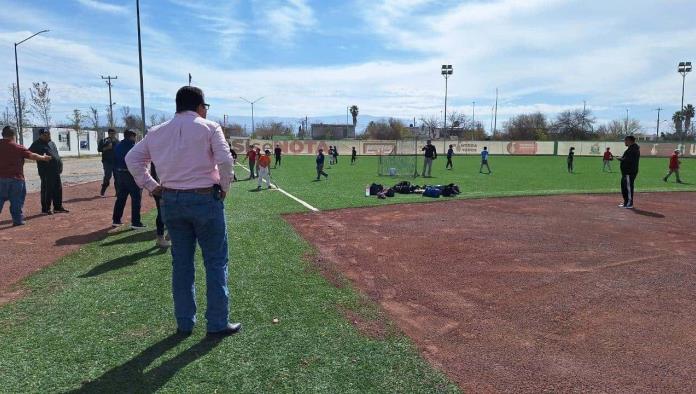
x=131 y=376
x=140 y=236
x=123 y=261
x=648 y=213
x=82 y=239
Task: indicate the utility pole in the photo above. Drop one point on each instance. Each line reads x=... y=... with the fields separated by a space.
x=584 y=108
x=473 y=119
x=189 y=79
x=140 y=64
x=108 y=79
x=657 y=129
x=626 y=126
x=495 y=116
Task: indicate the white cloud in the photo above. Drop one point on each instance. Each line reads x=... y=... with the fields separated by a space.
x=104 y=7
x=281 y=21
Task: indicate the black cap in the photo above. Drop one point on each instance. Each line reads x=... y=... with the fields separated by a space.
x=44 y=131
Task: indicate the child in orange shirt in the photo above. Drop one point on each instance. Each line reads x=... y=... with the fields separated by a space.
x=263 y=169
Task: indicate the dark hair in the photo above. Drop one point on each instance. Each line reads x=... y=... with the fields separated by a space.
x=572 y=148
x=630 y=138
x=111 y=131
x=44 y=131
x=451 y=145
x=129 y=133
x=188 y=98
x=485 y=148
x=8 y=131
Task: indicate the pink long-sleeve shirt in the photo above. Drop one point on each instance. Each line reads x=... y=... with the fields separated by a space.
x=189 y=152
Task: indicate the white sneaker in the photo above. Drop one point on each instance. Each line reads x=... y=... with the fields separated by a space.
x=114 y=224
x=162 y=242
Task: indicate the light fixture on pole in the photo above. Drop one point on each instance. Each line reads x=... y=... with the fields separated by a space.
x=683 y=69
x=446 y=71
x=18 y=106
x=253 y=127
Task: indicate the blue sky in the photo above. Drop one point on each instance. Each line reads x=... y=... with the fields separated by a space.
x=317 y=57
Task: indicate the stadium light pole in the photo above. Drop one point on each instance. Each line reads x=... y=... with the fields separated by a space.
x=140 y=64
x=18 y=106
x=446 y=72
x=253 y=127
x=683 y=69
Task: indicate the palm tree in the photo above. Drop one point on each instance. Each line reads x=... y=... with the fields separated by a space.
x=354 y=113
x=688 y=115
x=677 y=119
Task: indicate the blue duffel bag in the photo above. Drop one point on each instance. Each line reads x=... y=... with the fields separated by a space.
x=432 y=191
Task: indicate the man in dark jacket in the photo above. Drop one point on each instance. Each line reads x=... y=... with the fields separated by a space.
x=126 y=183
x=320 y=165
x=629 y=170
x=429 y=155
x=49 y=172
x=106 y=148
x=278 y=153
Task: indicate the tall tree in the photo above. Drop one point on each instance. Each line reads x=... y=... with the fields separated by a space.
x=528 y=127
x=688 y=115
x=153 y=120
x=677 y=119
x=76 y=120
x=431 y=123
x=41 y=102
x=7 y=118
x=392 y=129
x=125 y=113
x=573 y=125
x=94 y=117
x=354 y=113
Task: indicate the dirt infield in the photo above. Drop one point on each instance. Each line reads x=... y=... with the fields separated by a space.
x=561 y=293
x=45 y=239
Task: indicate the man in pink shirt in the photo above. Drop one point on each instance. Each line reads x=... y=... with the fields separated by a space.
x=194 y=166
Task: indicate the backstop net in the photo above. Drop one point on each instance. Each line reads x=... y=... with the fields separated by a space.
x=400 y=159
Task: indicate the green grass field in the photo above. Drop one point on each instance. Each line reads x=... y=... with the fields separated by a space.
x=100 y=320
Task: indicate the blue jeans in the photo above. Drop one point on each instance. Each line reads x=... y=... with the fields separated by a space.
x=192 y=217
x=127 y=187
x=15 y=191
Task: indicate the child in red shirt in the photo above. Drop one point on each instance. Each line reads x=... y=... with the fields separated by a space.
x=608 y=157
x=673 y=166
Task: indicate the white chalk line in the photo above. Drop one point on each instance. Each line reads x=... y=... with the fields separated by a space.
x=303 y=203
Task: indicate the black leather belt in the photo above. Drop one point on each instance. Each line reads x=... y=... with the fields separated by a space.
x=204 y=190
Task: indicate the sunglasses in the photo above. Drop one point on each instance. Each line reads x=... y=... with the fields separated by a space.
x=207 y=106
